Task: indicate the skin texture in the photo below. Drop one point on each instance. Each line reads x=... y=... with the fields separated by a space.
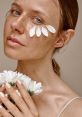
x=34 y=57
x=24 y=23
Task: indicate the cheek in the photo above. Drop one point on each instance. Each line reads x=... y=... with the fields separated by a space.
x=34 y=50
x=42 y=44
x=6 y=27
x=42 y=47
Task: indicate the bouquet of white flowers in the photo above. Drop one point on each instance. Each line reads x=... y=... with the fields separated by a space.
x=11 y=77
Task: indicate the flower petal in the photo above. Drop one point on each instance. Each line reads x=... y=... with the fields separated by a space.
x=38 y=31
x=38 y=91
x=51 y=28
x=32 y=31
x=44 y=31
x=32 y=86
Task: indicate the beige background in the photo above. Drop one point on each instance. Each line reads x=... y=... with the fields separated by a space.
x=69 y=58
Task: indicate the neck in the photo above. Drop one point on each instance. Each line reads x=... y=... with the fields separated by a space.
x=40 y=70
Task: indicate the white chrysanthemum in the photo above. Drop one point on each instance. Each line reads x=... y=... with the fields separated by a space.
x=11 y=77
x=7 y=76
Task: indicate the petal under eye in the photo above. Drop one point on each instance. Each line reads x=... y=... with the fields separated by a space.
x=44 y=31
x=38 y=31
x=32 y=31
x=51 y=28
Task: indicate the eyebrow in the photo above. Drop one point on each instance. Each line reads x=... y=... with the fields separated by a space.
x=33 y=10
x=15 y=4
x=39 y=12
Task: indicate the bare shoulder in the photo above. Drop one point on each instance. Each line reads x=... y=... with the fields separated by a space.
x=74 y=109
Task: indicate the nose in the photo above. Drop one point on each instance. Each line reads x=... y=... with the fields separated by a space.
x=18 y=24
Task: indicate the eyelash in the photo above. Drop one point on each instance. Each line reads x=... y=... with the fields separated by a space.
x=15 y=12
x=36 y=19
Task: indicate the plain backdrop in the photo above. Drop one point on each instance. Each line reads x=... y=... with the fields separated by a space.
x=69 y=58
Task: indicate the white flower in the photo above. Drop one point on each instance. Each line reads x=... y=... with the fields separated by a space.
x=39 y=30
x=11 y=77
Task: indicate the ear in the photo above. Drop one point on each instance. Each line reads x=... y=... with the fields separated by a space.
x=64 y=38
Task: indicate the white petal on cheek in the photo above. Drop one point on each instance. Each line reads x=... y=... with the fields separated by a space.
x=38 y=31
x=51 y=28
x=32 y=31
x=44 y=31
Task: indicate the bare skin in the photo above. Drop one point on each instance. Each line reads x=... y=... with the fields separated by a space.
x=34 y=59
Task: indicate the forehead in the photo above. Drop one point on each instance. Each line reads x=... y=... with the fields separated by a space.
x=37 y=1
x=49 y=8
x=44 y=4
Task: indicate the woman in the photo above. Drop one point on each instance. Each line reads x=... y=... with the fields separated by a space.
x=33 y=31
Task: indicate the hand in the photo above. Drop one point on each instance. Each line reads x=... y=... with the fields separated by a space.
x=23 y=106
x=2 y=88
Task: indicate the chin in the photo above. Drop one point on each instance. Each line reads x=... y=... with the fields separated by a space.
x=14 y=55
x=11 y=54
x=18 y=55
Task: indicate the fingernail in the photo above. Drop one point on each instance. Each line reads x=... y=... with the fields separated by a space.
x=6 y=95
x=19 y=82
x=1 y=106
x=8 y=85
x=18 y=93
x=1 y=94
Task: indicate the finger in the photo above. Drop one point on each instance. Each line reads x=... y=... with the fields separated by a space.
x=27 y=98
x=2 y=88
x=14 y=94
x=4 y=112
x=10 y=106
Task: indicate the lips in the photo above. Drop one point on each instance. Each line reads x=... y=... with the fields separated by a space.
x=14 y=40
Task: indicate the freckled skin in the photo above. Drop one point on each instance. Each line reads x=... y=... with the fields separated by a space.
x=37 y=47
x=34 y=58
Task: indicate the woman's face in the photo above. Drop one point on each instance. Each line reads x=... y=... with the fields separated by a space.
x=22 y=16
